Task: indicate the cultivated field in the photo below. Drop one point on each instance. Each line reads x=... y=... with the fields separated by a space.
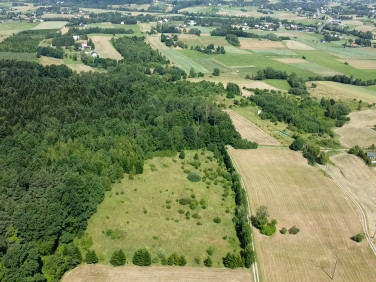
x=360 y=64
x=250 y=131
x=102 y=273
x=81 y=67
x=296 y=45
x=359 y=179
x=334 y=90
x=146 y=211
x=50 y=25
x=298 y=194
x=250 y=44
x=359 y=130
x=104 y=48
x=46 y=61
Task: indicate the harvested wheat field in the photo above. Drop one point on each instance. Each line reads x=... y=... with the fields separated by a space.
x=250 y=131
x=365 y=28
x=295 y=45
x=64 y=30
x=104 y=48
x=301 y=195
x=360 y=64
x=360 y=181
x=46 y=61
x=81 y=67
x=334 y=90
x=359 y=130
x=291 y=60
x=256 y=44
x=101 y=273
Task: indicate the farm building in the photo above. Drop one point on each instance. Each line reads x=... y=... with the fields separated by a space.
x=372 y=156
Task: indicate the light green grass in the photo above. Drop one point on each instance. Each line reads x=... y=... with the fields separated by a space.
x=102 y=25
x=51 y=25
x=18 y=56
x=278 y=83
x=9 y=28
x=138 y=210
x=236 y=59
x=182 y=61
x=317 y=69
x=134 y=27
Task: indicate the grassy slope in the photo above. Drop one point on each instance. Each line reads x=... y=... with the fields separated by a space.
x=161 y=227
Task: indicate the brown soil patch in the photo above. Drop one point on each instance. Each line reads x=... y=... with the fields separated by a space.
x=365 y=28
x=260 y=44
x=80 y=67
x=357 y=177
x=104 y=48
x=291 y=60
x=301 y=195
x=360 y=64
x=250 y=131
x=358 y=131
x=101 y=273
x=64 y=30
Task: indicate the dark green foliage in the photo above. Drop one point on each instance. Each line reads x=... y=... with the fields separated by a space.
x=208 y=262
x=63 y=41
x=182 y=155
x=142 y=257
x=233 y=89
x=283 y=230
x=194 y=177
x=216 y=72
x=358 y=237
x=297 y=144
x=294 y=230
x=270 y=73
x=232 y=261
x=50 y=52
x=193 y=204
x=217 y=220
x=232 y=39
x=361 y=154
x=210 y=251
x=23 y=42
x=260 y=221
x=248 y=256
x=91 y=257
x=118 y=258
x=177 y=260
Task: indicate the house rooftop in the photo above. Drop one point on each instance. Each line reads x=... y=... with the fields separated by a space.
x=371 y=154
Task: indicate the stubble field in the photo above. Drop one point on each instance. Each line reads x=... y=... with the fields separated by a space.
x=298 y=194
x=104 y=48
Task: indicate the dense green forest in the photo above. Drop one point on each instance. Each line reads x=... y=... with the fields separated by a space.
x=65 y=137
x=25 y=41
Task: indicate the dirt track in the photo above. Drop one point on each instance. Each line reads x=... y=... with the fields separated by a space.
x=101 y=273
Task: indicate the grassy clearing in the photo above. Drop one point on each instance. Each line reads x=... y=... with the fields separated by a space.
x=8 y=28
x=30 y=57
x=301 y=195
x=145 y=211
x=278 y=83
x=50 y=25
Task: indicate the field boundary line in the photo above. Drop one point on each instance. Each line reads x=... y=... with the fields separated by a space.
x=256 y=276
x=363 y=217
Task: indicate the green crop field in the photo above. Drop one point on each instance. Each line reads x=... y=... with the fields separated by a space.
x=9 y=28
x=278 y=83
x=51 y=25
x=18 y=56
x=146 y=211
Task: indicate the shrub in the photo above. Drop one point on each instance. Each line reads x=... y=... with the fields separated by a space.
x=248 y=255
x=91 y=257
x=210 y=251
x=283 y=230
x=193 y=204
x=194 y=177
x=208 y=262
x=197 y=260
x=182 y=155
x=216 y=72
x=118 y=258
x=181 y=211
x=294 y=230
x=142 y=257
x=217 y=220
x=232 y=261
x=358 y=237
x=177 y=260
x=184 y=201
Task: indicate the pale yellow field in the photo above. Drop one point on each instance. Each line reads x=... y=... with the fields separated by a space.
x=360 y=64
x=298 y=194
x=290 y=60
x=104 y=48
x=250 y=131
x=260 y=44
x=64 y=30
x=365 y=28
x=358 y=131
x=46 y=61
x=357 y=177
x=102 y=273
x=329 y=89
x=81 y=67
x=295 y=45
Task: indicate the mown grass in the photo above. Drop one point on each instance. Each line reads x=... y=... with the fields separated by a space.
x=9 y=28
x=145 y=211
x=18 y=56
x=278 y=83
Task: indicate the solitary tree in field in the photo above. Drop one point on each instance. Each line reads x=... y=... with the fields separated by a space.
x=142 y=257
x=216 y=71
x=118 y=258
x=91 y=257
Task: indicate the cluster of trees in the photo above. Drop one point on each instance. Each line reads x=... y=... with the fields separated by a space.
x=65 y=40
x=195 y=31
x=66 y=137
x=173 y=41
x=310 y=151
x=363 y=42
x=260 y=221
x=23 y=42
x=270 y=73
x=210 y=49
x=88 y=30
x=113 y=17
x=347 y=31
x=336 y=110
x=232 y=39
x=357 y=151
x=297 y=85
x=344 y=79
x=50 y=52
x=166 y=27
x=306 y=113
x=232 y=90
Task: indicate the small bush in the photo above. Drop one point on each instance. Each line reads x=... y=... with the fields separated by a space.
x=194 y=177
x=181 y=211
x=294 y=230
x=118 y=258
x=210 y=251
x=217 y=220
x=358 y=237
x=208 y=262
x=197 y=260
x=193 y=204
x=283 y=230
x=182 y=155
x=91 y=257
x=142 y=257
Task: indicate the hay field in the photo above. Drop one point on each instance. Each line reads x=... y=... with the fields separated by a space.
x=250 y=131
x=104 y=273
x=248 y=44
x=104 y=48
x=359 y=179
x=46 y=61
x=298 y=194
x=360 y=64
x=296 y=45
x=365 y=28
x=50 y=25
x=64 y=30
x=306 y=65
x=81 y=68
x=358 y=131
x=329 y=89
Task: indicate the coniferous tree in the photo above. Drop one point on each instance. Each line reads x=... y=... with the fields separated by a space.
x=91 y=257
x=118 y=258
